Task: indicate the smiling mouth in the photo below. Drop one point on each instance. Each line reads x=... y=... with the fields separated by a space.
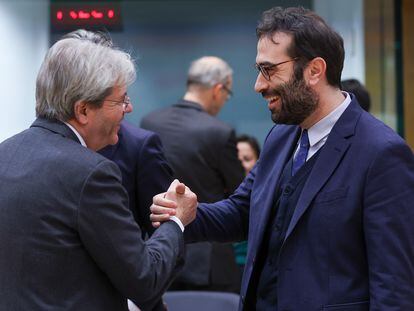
x=273 y=102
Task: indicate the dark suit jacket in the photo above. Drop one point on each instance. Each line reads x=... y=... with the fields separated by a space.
x=145 y=171
x=349 y=245
x=68 y=238
x=202 y=152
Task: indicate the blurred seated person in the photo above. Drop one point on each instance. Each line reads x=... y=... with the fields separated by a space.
x=248 y=152
x=361 y=93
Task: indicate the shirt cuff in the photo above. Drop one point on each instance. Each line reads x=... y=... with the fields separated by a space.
x=178 y=222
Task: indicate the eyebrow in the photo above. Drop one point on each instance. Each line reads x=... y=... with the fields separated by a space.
x=124 y=95
x=266 y=64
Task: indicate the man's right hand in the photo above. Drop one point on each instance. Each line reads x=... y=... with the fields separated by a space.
x=178 y=201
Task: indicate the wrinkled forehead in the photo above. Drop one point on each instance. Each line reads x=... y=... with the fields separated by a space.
x=273 y=49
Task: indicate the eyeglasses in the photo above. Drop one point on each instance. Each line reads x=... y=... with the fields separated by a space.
x=265 y=69
x=124 y=103
x=229 y=92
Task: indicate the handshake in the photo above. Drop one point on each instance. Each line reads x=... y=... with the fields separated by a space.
x=178 y=201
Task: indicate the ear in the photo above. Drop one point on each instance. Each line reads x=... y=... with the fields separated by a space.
x=217 y=90
x=315 y=71
x=81 y=110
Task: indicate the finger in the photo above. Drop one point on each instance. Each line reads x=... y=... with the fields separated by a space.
x=159 y=217
x=156 y=224
x=158 y=210
x=164 y=202
x=159 y=195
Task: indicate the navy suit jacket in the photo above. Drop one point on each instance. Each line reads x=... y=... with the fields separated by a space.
x=145 y=171
x=202 y=152
x=350 y=243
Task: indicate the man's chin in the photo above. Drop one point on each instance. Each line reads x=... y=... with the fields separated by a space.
x=114 y=140
x=279 y=119
x=276 y=118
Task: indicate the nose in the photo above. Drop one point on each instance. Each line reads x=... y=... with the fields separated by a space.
x=129 y=108
x=261 y=84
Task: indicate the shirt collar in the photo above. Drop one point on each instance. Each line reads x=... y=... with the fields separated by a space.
x=82 y=141
x=323 y=127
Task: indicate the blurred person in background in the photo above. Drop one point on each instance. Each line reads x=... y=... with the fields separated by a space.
x=248 y=151
x=68 y=238
x=358 y=89
x=202 y=152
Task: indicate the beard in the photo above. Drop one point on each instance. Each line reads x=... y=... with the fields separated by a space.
x=298 y=101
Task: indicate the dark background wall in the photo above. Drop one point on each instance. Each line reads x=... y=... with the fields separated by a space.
x=165 y=36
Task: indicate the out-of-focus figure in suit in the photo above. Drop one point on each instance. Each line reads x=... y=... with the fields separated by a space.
x=202 y=153
x=328 y=208
x=68 y=238
x=144 y=169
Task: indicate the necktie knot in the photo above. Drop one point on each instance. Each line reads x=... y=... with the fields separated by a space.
x=302 y=154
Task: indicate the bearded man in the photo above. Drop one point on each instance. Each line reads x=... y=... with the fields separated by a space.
x=328 y=209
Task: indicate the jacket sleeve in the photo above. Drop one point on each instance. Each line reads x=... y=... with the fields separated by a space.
x=226 y=220
x=230 y=166
x=388 y=228
x=154 y=176
x=139 y=270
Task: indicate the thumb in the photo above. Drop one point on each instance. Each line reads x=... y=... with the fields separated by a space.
x=173 y=185
x=180 y=188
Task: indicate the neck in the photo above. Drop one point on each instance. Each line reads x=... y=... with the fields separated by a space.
x=329 y=99
x=77 y=126
x=199 y=98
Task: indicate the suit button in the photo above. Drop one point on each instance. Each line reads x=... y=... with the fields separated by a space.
x=287 y=190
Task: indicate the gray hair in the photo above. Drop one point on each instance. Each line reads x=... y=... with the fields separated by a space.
x=208 y=71
x=98 y=37
x=74 y=70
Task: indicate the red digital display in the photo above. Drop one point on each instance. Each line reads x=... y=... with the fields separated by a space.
x=92 y=15
x=68 y=16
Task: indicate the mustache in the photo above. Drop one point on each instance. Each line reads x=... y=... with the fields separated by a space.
x=271 y=93
x=277 y=91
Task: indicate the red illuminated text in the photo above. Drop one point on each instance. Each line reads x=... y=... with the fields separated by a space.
x=85 y=15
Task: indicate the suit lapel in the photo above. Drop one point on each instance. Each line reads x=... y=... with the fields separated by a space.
x=57 y=127
x=329 y=158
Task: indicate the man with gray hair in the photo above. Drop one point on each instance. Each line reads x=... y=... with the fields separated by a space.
x=68 y=238
x=202 y=153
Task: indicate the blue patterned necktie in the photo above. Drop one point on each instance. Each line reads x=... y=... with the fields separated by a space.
x=302 y=154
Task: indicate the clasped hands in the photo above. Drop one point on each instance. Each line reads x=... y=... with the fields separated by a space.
x=178 y=201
